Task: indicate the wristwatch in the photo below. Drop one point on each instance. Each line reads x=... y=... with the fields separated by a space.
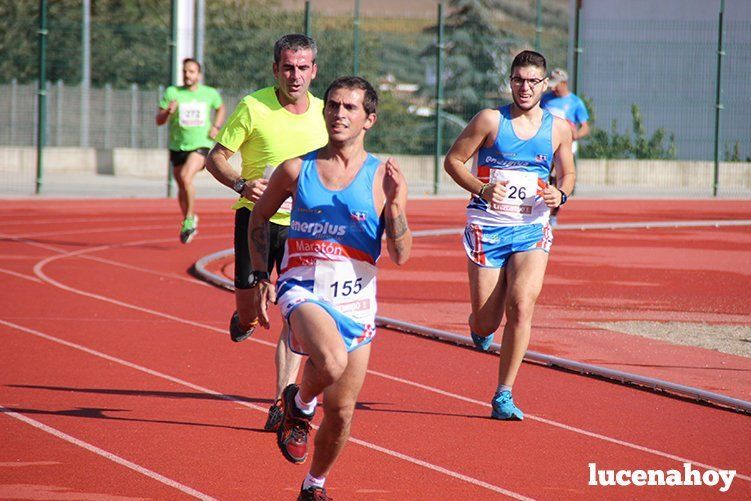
x=256 y=276
x=564 y=197
x=239 y=185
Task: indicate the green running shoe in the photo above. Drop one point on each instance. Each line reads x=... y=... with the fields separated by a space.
x=189 y=229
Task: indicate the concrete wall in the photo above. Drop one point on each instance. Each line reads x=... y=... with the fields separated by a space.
x=648 y=175
x=662 y=174
x=56 y=159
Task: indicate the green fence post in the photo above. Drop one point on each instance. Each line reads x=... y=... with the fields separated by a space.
x=307 y=17
x=41 y=93
x=172 y=72
x=538 y=25
x=356 y=44
x=718 y=101
x=577 y=46
x=438 y=104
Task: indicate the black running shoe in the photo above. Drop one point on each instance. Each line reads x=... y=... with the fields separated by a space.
x=292 y=435
x=276 y=415
x=237 y=332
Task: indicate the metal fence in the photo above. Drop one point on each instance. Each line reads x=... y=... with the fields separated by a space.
x=108 y=98
x=121 y=118
x=668 y=69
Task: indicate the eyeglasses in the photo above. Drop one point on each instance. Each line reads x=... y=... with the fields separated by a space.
x=533 y=82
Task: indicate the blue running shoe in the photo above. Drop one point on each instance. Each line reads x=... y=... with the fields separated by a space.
x=482 y=343
x=504 y=408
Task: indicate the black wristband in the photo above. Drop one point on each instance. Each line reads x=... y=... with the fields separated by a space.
x=564 y=198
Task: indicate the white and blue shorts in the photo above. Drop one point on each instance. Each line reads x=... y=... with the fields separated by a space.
x=491 y=246
x=353 y=333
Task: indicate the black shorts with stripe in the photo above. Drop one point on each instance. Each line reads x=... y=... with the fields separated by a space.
x=243 y=266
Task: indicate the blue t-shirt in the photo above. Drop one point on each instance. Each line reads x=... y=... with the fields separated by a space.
x=571 y=108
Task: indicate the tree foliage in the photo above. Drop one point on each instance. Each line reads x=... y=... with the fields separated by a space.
x=636 y=144
x=129 y=42
x=397 y=130
x=733 y=153
x=478 y=55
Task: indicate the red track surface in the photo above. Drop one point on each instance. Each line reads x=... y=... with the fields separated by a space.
x=108 y=340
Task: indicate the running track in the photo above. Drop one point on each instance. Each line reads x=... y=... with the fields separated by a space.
x=119 y=381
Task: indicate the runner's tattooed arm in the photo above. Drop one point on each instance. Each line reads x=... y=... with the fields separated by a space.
x=280 y=186
x=259 y=241
x=396 y=227
x=398 y=234
x=264 y=291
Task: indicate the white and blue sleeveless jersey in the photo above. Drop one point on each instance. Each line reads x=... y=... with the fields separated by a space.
x=332 y=247
x=512 y=158
x=333 y=225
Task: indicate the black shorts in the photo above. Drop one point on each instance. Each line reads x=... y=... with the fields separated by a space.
x=177 y=158
x=243 y=266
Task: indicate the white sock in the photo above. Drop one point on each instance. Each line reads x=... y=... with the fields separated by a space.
x=307 y=408
x=311 y=481
x=501 y=388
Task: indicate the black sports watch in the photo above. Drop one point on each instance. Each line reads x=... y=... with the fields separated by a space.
x=239 y=185
x=564 y=198
x=256 y=276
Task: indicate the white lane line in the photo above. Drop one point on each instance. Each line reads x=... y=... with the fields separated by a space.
x=21 y=275
x=121 y=229
x=105 y=454
x=68 y=221
x=369 y=445
x=440 y=469
x=38 y=271
x=560 y=425
x=174 y=276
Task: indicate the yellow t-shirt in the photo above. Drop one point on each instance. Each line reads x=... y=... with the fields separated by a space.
x=267 y=134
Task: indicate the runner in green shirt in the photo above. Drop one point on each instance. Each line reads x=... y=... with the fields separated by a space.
x=191 y=132
x=267 y=127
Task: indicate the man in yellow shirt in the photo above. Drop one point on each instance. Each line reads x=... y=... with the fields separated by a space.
x=267 y=127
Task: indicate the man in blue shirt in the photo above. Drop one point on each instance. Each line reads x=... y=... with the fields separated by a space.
x=563 y=103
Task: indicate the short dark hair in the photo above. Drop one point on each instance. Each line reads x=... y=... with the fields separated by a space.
x=529 y=58
x=295 y=42
x=370 y=100
x=191 y=60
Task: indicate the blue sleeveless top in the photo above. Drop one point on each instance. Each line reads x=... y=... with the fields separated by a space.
x=509 y=152
x=333 y=224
